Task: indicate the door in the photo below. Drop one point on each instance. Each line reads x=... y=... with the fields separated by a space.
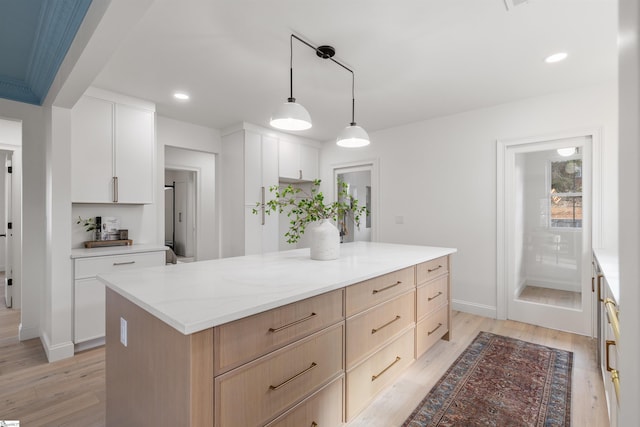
x=362 y=184
x=8 y=239
x=548 y=236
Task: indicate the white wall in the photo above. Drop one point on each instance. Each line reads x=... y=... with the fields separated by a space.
x=440 y=176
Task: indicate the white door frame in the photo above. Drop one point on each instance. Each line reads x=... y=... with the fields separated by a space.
x=198 y=214
x=358 y=166
x=503 y=186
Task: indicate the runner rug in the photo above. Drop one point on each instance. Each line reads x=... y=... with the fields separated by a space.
x=500 y=381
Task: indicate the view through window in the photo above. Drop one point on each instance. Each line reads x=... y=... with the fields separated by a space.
x=566 y=193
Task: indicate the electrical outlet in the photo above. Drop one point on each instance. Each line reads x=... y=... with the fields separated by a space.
x=123 y=331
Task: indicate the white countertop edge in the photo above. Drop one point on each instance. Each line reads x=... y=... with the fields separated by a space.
x=609 y=263
x=115 y=250
x=187 y=328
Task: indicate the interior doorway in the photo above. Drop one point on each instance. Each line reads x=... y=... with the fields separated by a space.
x=180 y=213
x=362 y=184
x=545 y=196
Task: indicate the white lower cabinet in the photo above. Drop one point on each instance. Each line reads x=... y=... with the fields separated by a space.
x=89 y=292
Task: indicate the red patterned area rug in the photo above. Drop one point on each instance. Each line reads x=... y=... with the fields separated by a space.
x=500 y=381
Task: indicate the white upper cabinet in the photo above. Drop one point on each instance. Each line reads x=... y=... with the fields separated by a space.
x=112 y=152
x=297 y=162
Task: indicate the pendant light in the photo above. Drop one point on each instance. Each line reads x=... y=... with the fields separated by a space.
x=291 y=115
x=353 y=136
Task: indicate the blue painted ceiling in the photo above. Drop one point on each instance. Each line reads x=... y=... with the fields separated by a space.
x=35 y=36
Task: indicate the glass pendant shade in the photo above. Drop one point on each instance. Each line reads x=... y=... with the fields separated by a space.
x=291 y=116
x=353 y=136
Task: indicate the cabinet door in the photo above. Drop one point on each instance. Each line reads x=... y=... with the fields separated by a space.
x=134 y=154
x=289 y=160
x=89 y=312
x=309 y=158
x=92 y=151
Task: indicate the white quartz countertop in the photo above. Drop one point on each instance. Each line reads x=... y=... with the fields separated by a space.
x=608 y=261
x=115 y=250
x=193 y=297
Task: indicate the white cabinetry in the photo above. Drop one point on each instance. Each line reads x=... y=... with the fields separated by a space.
x=89 y=293
x=297 y=162
x=249 y=169
x=112 y=152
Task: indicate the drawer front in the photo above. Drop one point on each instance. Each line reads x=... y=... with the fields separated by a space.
x=432 y=295
x=90 y=267
x=325 y=408
x=375 y=373
x=430 y=269
x=256 y=392
x=371 y=329
x=246 y=339
x=366 y=294
x=431 y=329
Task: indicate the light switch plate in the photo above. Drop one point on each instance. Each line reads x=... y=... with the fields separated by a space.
x=123 y=331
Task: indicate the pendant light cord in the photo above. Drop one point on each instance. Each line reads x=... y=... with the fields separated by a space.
x=353 y=75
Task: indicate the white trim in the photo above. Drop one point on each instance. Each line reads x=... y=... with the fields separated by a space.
x=474 y=308
x=198 y=202
x=504 y=151
x=57 y=352
x=27 y=333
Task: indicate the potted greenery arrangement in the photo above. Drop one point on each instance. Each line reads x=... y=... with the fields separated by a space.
x=305 y=208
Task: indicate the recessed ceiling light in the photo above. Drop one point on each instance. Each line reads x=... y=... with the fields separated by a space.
x=556 y=57
x=181 y=96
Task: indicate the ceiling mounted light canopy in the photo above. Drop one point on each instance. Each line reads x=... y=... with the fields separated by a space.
x=293 y=116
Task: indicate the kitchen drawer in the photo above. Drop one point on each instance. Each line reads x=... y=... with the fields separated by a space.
x=246 y=339
x=431 y=329
x=378 y=371
x=260 y=390
x=430 y=269
x=379 y=289
x=431 y=296
x=371 y=329
x=92 y=266
x=325 y=408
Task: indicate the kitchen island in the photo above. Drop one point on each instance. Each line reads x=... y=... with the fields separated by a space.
x=275 y=339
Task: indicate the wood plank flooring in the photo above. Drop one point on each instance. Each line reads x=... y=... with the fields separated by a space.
x=71 y=392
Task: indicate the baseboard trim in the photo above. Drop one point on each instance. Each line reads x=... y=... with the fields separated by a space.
x=474 y=308
x=56 y=352
x=27 y=333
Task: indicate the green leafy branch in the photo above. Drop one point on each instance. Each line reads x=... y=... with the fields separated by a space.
x=304 y=208
x=89 y=224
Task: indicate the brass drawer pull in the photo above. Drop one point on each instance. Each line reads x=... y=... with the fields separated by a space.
x=373 y=331
x=282 y=384
x=437 y=295
x=608 y=343
x=375 y=377
x=375 y=291
x=124 y=263
x=430 y=270
x=613 y=317
x=437 y=327
x=292 y=323
x=615 y=379
x=600 y=277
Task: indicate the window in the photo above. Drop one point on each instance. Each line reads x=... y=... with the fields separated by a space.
x=566 y=193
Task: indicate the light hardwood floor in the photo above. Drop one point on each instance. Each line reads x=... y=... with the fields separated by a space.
x=72 y=392
x=556 y=297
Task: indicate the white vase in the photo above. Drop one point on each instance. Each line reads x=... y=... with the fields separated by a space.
x=325 y=241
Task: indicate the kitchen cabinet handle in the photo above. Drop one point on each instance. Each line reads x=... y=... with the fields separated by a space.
x=613 y=317
x=375 y=291
x=593 y=287
x=314 y=424
x=282 y=384
x=608 y=343
x=373 y=331
x=263 y=207
x=434 y=297
x=124 y=263
x=300 y=174
x=600 y=277
x=436 y=328
x=430 y=270
x=115 y=189
x=288 y=325
x=615 y=379
x=375 y=377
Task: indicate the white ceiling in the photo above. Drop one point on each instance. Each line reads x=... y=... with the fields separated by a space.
x=413 y=59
